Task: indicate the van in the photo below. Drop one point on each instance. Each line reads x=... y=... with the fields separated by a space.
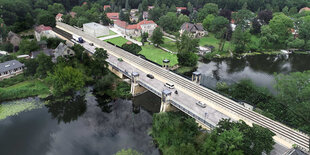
x=170 y=86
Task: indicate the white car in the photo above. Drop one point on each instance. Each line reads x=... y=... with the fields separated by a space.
x=202 y=105
x=170 y=86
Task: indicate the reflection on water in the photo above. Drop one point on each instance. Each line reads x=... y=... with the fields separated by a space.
x=80 y=131
x=260 y=69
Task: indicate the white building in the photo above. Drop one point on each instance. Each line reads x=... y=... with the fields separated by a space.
x=136 y=29
x=95 y=29
x=10 y=68
x=45 y=31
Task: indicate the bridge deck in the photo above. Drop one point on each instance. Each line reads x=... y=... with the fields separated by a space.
x=286 y=135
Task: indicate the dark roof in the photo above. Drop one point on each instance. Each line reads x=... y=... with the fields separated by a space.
x=189 y=27
x=9 y=65
x=48 y=52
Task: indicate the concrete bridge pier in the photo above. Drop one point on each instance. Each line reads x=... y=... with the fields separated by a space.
x=136 y=89
x=165 y=102
x=196 y=77
x=116 y=72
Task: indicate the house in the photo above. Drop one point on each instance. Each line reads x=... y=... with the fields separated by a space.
x=63 y=50
x=195 y=30
x=106 y=7
x=179 y=9
x=150 y=7
x=72 y=14
x=95 y=29
x=58 y=17
x=14 y=39
x=10 y=68
x=304 y=9
x=136 y=29
x=113 y=16
x=45 y=31
x=145 y=15
x=48 y=52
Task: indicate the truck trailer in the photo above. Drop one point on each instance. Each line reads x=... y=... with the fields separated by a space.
x=78 y=38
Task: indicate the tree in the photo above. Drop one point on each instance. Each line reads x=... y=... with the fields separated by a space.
x=99 y=65
x=293 y=93
x=304 y=28
x=209 y=8
x=243 y=17
x=241 y=39
x=155 y=14
x=124 y=16
x=293 y=11
x=66 y=80
x=105 y=20
x=127 y=7
x=190 y=7
x=144 y=5
x=182 y=19
x=207 y=22
x=285 y=10
x=297 y=44
x=78 y=50
x=157 y=37
x=225 y=13
x=144 y=37
x=169 y=22
x=256 y=25
x=219 y=26
x=265 y=16
x=53 y=42
x=31 y=66
x=45 y=65
x=3 y=29
x=56 y=8
x=187 y=49
x=46 y=18
x=42 y=4
x=281 y=26
x=128 y=152
x=132 y=48
x=268 y=39
x=26 y=46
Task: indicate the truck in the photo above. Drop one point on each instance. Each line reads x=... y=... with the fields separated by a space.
x=78 y=38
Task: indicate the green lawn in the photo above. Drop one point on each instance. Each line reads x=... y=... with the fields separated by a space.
x=157 y=55
x=117 y=41
x=210 y=40
x=170 y=45
x=24 y=89
x=110 y=34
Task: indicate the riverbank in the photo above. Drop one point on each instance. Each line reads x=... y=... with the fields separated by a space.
x=28 y=88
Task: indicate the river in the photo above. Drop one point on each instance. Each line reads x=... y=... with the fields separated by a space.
x=259 y=68
x=87 y=126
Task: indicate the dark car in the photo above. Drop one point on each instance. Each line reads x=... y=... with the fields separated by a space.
x=150 y=76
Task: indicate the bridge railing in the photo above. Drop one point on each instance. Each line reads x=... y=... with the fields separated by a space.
x=199 y=119
x=156 y=92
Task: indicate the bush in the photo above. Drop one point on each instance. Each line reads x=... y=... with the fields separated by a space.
x=132 y=48
x=12 y=81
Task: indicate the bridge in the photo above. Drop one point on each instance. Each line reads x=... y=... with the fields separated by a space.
x=190 y=92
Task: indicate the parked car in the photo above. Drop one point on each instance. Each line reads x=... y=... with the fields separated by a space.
x=150 y=76
x=91 y=44
x=202 y=105
x=120 y=59
x=170 y=86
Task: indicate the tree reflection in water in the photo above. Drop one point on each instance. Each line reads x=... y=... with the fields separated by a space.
x=104 y=103
x=67 y=111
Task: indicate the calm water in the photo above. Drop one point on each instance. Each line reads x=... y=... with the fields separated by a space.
x=260 y=69
x=87 y=126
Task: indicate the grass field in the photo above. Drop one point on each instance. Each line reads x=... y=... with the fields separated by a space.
x=210 y=40
x=117 y=41
x=170 y=45
x=157 y=55
x=24 y=89
x=111 y=33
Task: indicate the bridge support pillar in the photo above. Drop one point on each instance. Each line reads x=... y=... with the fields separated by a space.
x=136 y=89
x=196 y=77
x=115 y=71
x=165 y=102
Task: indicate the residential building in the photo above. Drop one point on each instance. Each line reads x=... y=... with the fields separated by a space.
x=145 y=15
x=113 y=16
x=14 y=39
x=58 y=17
x=195 y=30
x=136 y=29
x=150 y=7
x=106 y=7
x=95 y=29
x=63 y=50
x=179 y=9
x=10 y=68
x=45 y=31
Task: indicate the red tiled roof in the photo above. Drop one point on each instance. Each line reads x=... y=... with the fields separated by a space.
x=72 y=14
x=150 y=7
x=84 y=3
x=304 y=9
x=113 y=15
x=41 y=28
x=181 y=8
x=144 y=22
x=59 y=15
x=106 y=6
